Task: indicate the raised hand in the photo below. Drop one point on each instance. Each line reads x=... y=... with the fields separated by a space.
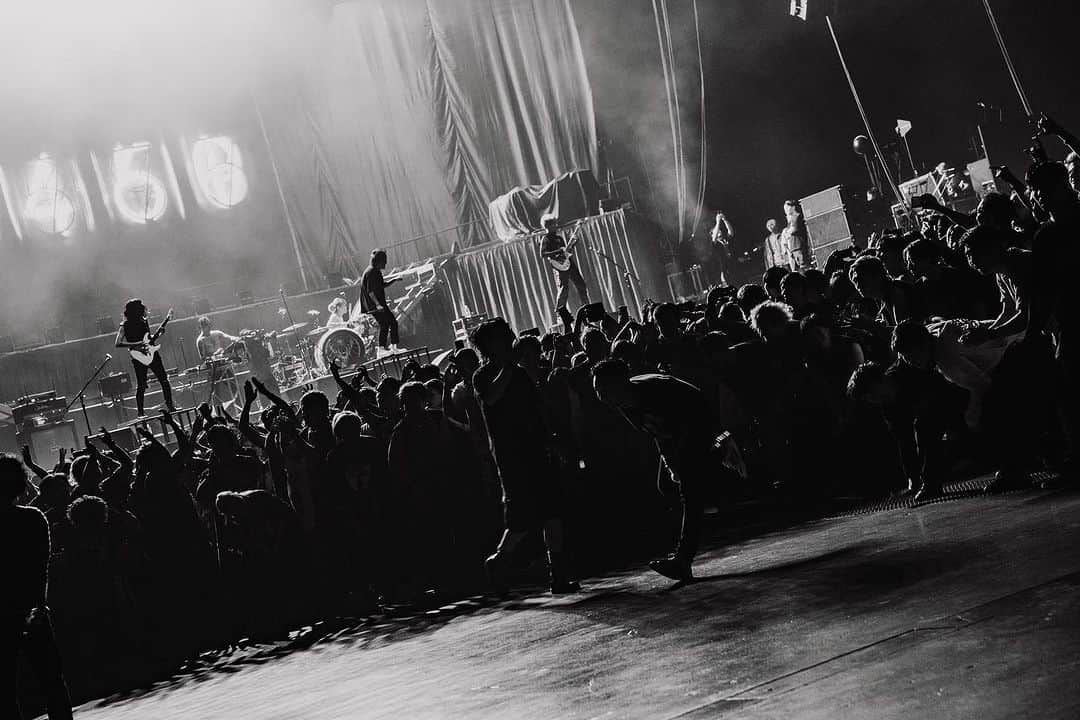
x=1047 y=125
x=257 y=383
x=145 y=433
x=250 y=393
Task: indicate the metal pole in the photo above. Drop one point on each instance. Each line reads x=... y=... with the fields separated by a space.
x=1008 y=60
x=281 y=194
x=865 y=119
x=982 y=139
x=914 y=170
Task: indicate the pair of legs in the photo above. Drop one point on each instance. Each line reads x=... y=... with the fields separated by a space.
x=388 y=327
x=37 y=641
x=521 y=517
x=690 y=488
x=563 y=281
x=158 y=368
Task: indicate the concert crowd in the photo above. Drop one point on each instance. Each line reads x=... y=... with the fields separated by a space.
x=924 y=359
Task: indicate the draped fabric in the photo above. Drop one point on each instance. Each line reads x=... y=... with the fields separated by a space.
x=569 y=197
x=415 y=114
x=510 y=279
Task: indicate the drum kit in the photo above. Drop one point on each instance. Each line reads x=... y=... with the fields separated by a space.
x=305 y=350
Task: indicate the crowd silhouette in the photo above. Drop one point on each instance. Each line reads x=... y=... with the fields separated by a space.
x=924 y=358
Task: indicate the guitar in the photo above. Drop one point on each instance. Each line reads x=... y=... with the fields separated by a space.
x=149 y=342
x=561 y=261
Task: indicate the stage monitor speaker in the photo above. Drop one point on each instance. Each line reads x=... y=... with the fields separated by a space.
x=46 y=439
x=982 y=178
x=826 y=223
x=8 y=439
x=115 y=385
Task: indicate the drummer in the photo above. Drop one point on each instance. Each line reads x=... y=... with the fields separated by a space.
x=339 y=313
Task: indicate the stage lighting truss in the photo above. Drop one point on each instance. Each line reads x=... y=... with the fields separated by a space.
x=219 y=171
x=139 y=194
x=48 y=206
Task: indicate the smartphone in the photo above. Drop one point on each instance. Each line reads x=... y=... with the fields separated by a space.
x=594 y=312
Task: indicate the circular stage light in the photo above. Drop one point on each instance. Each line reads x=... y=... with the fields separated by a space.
x=140 y=198
x=51 y=211
x=226 y=185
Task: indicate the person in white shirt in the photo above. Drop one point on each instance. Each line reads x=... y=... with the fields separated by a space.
x=777 y=253
x=339 y=313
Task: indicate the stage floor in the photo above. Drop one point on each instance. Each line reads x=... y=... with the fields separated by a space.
x=963 y=609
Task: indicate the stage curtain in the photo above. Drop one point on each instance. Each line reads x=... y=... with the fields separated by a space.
x=569 y=197
x=415 y=114
x=510 y=280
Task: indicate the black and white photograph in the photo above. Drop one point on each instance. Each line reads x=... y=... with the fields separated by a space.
x=540 y=359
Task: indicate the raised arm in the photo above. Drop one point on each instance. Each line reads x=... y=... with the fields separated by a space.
x=930 y=202
x=286 y=407
x=1047 y=126
x=118 y=453
x=246 y=428
x=32 y=466
x=182 y=439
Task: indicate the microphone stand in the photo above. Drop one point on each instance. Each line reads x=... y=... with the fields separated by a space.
x=296 y=335
x=81 y=397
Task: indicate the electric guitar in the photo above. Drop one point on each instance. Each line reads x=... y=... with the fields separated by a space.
x=146 y=353
x=561 y=259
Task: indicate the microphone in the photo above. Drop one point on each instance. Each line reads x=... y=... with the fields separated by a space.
x=108 y=357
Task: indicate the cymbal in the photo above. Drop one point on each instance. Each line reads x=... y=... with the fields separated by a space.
x=316 y=332
x=294 y=328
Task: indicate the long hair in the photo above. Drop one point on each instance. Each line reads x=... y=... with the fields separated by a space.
x=134 y=309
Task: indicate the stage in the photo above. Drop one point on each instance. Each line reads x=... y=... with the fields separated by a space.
x=620 y=259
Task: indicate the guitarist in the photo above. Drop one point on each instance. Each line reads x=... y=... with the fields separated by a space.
x=132 y=335
x=553 y=248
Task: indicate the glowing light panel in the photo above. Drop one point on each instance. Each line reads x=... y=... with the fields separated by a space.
x=138 y=193
x=219 y=171
x=48 y=207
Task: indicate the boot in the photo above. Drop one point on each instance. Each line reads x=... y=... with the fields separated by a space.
x=560 y=584
x=673 y=567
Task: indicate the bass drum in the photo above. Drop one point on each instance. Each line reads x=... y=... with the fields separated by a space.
x=343 y=346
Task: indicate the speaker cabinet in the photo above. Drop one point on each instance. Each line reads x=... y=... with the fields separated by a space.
x=45 y=440
x=826 y=223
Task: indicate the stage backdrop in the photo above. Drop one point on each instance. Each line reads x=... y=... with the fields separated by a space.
x=415 y=114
